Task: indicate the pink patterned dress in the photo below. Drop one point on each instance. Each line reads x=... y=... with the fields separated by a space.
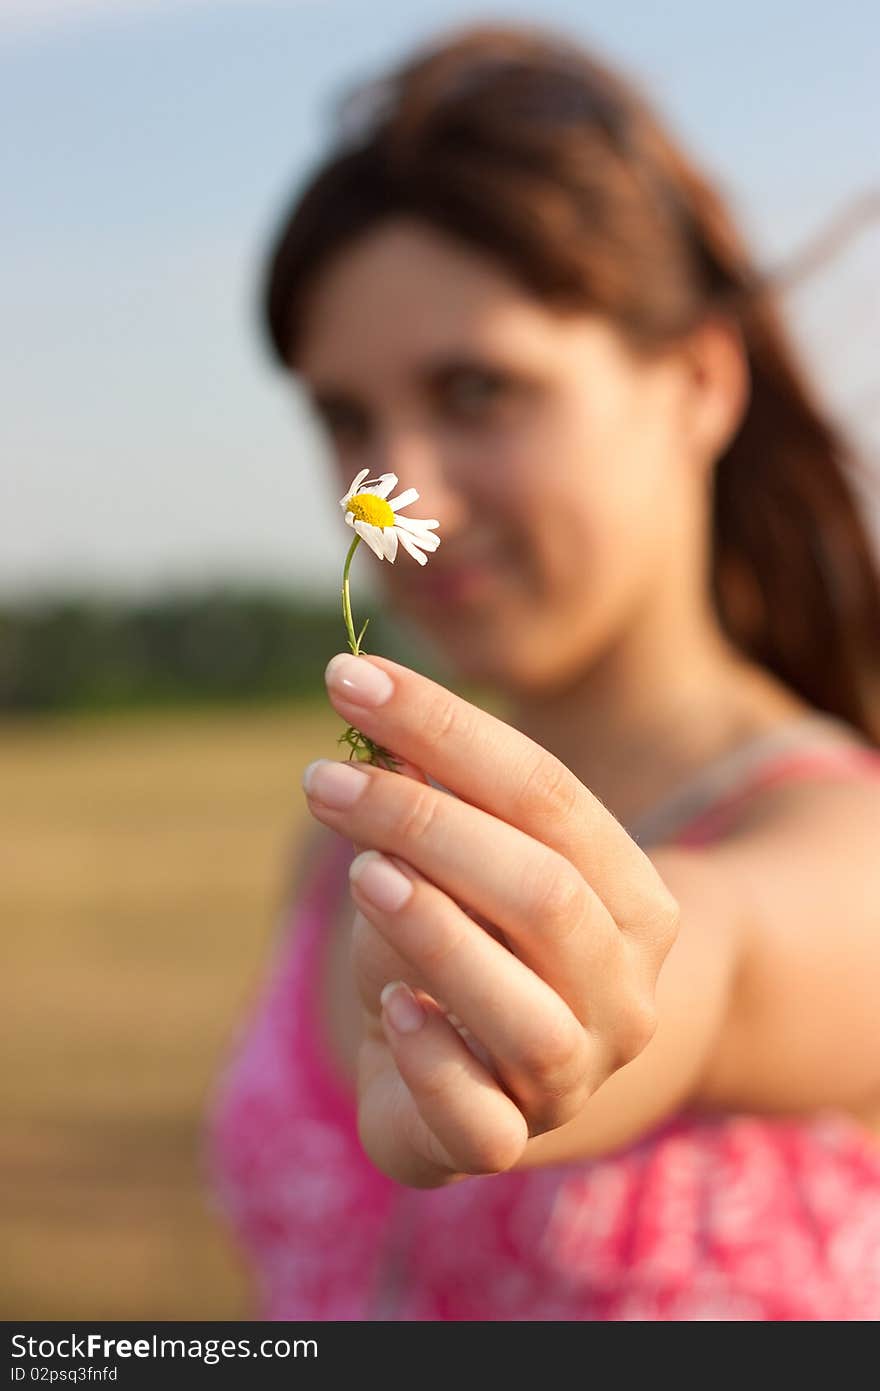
x=729 y=1216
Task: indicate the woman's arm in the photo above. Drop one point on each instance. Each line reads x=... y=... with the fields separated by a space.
x=605 y=987
x=803 y=1028
x=768 y=999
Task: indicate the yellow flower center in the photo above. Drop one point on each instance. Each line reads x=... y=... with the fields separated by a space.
x=369 y=508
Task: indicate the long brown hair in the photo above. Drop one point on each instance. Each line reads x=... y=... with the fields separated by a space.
x=523 y=145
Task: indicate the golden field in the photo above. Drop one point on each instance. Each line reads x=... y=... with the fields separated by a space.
x=142 y=859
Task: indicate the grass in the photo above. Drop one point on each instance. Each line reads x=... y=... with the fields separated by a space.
x=142 y=860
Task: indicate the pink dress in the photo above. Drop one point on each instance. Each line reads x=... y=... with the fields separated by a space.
x=728 y=1216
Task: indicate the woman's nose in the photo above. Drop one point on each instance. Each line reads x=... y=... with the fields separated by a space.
x=419 y=465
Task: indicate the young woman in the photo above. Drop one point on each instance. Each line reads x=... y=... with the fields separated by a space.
x=592 y=1031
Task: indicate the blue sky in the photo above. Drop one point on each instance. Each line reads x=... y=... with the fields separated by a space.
x=148 y=148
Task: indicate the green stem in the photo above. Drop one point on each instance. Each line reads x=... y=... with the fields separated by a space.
x=361 y=747
x=346 y=601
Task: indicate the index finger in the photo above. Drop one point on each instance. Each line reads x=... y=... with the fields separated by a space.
x=486 y=762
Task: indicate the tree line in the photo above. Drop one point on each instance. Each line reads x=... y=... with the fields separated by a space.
x=218 y=645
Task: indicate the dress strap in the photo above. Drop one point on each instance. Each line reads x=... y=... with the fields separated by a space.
x=785 y=767
x=735 y=772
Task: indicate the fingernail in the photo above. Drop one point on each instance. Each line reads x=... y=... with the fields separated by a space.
x=337 y=785
x=402 y=1009
x=380 y=881
x=355 y=680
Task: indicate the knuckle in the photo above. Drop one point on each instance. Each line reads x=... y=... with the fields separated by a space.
x=433 y=1084
x=636 y=1027
x=667 y=912
x=671 y=923
x=557 y=1062
x=657 y=924
x=433 y=957
x=558 y=897
x=547 y=788
x=444 y=716
x=418 y=811
x=496 y=1150
x=663 y=928
x=559 y=1110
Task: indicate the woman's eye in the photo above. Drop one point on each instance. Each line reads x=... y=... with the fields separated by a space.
x=345 y=426
x=470 y=394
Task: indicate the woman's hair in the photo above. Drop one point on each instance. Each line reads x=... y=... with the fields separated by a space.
x=522 y=145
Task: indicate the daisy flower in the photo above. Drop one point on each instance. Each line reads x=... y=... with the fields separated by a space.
x=377 y=522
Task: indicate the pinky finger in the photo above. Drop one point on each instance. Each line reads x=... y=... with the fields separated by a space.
x=459 y=1112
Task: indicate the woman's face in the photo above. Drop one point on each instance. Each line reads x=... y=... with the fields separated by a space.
x=555 y=460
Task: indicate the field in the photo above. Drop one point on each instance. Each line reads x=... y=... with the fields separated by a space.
x=141 y=864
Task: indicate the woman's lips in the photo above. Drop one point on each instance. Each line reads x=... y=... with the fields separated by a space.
x=463 y=582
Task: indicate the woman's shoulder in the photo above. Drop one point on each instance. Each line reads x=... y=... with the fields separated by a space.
x=828 y=790
x=807 y=769
x=803 y=836
x=801 y=861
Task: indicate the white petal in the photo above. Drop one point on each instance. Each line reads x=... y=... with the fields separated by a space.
x=387 y=481
x=415 y=528
x=414 y=523
x=369 y=534
x=389 y=537
x=349 y=517
x=376 y=539
x=426 y=539
x=409 y=545
x=404 y=500
x=355 y=485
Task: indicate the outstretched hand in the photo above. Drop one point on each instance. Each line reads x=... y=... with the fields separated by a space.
x=508 y=939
